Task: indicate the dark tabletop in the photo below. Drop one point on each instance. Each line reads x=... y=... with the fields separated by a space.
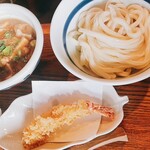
x=136 y=121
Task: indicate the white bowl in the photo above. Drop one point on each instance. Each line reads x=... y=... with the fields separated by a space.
x=21 y=13
x=64 y=20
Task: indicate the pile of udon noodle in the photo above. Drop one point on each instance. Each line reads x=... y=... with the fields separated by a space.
x=114 y=42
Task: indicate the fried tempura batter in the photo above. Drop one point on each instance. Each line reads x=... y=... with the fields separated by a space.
x=41 y=128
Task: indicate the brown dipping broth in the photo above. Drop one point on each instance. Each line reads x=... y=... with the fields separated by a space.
x=17 y=43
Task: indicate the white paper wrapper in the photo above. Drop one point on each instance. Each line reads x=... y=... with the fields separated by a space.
x=47 y=94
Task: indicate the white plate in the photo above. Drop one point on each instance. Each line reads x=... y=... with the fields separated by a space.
x=20 y=113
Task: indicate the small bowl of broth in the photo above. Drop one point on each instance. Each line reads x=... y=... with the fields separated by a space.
x=106 y=41
x=21 y=43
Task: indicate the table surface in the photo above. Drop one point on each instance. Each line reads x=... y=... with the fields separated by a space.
x=136 y=121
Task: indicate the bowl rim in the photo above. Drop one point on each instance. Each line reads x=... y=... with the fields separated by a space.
x=68 y=64
x=26 y=71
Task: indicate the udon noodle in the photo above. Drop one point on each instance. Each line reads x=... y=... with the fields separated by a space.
x=114 y=42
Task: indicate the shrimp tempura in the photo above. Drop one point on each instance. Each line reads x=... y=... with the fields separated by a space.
x=41 y=128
